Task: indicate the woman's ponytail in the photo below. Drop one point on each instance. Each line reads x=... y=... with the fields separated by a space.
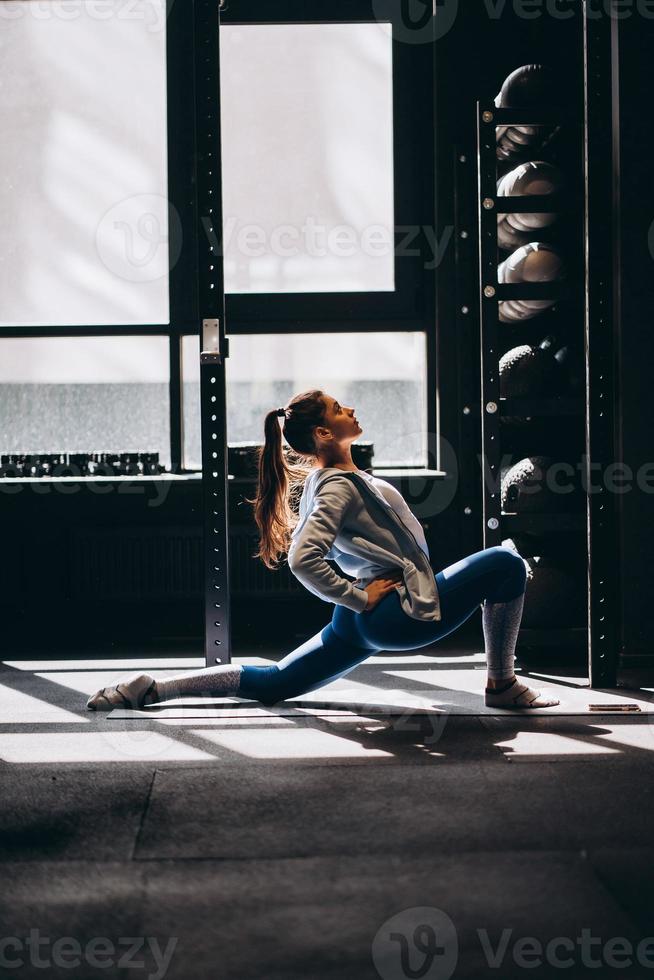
x=282 y=472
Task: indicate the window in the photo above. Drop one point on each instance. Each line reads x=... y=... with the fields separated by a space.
x=327 y=169
x=84 y=184
x=85 y=395
x=382 y=375
x=307 y=134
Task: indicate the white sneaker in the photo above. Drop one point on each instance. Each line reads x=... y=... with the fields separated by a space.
x=129 y=692
x=518 y=696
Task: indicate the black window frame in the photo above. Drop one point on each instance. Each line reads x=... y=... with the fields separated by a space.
x=411 y=307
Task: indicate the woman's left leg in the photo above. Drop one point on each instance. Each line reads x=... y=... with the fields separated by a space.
x=324 y=657
x=333 y=652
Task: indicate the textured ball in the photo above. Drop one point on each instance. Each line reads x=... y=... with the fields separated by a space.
x=554 y=596
x=524 y=487
x=529 y=371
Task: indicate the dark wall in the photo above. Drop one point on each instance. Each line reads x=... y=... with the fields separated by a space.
x=635 y=355
x=102 y=564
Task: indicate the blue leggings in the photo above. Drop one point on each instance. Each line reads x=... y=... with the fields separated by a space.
x=496 y=574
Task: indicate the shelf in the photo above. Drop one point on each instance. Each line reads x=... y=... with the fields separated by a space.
x=534 y=204
x=558 y=405
x=530 y=290
x=539 y=523
x=530 y=116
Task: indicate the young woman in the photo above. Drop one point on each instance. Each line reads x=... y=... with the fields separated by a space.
x=397 y=602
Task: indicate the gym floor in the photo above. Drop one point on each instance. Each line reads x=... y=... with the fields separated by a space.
x=303 y=845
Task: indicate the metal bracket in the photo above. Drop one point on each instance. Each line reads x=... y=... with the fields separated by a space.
x=211 y=352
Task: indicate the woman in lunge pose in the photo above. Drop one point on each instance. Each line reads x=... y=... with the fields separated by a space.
x=397 y=602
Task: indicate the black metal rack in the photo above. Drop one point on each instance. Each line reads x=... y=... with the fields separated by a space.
x=591 y=294
x=496 y=523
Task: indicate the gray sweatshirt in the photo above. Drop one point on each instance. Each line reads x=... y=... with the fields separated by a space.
x=344 y=517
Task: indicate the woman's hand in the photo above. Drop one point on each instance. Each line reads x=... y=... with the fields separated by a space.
x=380 y=587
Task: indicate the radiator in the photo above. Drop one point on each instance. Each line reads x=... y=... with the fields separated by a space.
x=135 y=562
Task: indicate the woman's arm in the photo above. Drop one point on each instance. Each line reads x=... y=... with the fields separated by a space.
x=306 y=555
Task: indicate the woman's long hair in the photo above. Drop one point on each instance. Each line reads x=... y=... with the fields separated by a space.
x=282 y=472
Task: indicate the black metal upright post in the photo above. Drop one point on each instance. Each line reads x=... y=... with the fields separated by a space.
x=488 y=322
x=600 y=69
x=213 y=343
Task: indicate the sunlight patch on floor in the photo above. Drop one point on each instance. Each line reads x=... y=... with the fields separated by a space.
x=18 y=708
x=306 y=743
x=110 y=746
x=547 y=746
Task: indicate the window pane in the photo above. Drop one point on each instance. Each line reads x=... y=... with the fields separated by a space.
x=85 y=395
x=381 y=375
x=307 y=149
x=83 y=167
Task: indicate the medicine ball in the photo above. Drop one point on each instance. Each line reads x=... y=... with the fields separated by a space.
x=533 y=177
x=534 y=262
x=522 y=543
x=554 y=597
x=531 y=370
x=568 y=550
x=530 y=85
x=525 y=488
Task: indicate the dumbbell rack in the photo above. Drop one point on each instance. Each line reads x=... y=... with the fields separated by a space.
x=496 y=524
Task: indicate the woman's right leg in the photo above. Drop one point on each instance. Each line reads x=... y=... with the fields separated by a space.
x=494 y=575
x=494 y=578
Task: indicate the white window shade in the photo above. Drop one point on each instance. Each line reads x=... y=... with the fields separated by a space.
x=83 y=163
x=307 y=151
x=85 y=394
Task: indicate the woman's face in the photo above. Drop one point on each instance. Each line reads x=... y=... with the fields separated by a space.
x=341 y=420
